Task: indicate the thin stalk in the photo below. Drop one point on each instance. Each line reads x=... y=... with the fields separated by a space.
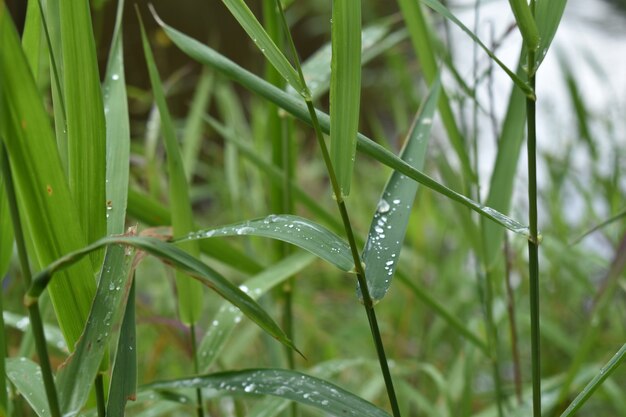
x=533 y=242
x=360 y=272
x=517 y=368
x=196 y=369
x=33 y=309
x=100 y=400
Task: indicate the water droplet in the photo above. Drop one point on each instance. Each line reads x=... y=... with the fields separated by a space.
x=115 y=77
x=249 y=388
x=383 y=206
x=396 y=201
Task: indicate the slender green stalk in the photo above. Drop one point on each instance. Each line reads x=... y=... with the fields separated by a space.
x=517 y=368
x=533 y=242
x=196 y=369
x=33 y=309
x=100 y=400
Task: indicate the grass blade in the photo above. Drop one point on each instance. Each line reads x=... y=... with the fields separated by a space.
x=345 y=89
x=26 y=376
x=227 y=317
x=46 y=204
x=548 y=15
x=4 y=398
x=6 y=231
x=53 y=334
x=596 y=382
x=262 y=40
x=421 y=40
x=297 y=108
x=386 y=235
x=76 y=377
x=291 y=229
x=117 y=132
x=153 y=213
x=124 y=377
x=189 y=291
x=86 y=133
x=178 y=258
x=443 y=10
x=525 y=23
x=291 y=385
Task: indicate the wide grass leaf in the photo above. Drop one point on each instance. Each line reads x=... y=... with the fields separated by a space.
x=298 y=108
x=75 y=378
x=291 y=229
x=345 y=89
x=117 y=132
x=525 y=23
x=45 y=202
x=388 y=227
x=189 y=291
x=86 y=133
x=227 y=317
x=26 y=376
x=437 y=6
x=178 y=258
x=290 y=385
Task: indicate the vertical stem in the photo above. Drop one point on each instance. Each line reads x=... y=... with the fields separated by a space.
x=33 y=309
x=196 y=369
x=100 y=400
x=533 y=242
x=517 y=369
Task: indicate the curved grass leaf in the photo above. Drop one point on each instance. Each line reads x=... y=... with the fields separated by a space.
x=595 y=383
x=345 y=89
x=290 y=385
x=228 y=317
x=47 y=207
x=297 y=108
x=291 y=229
x=189 y=291
x=178 y=258
x=26 y=376
x=152 y=213
x=388 y=228
x=443 y=10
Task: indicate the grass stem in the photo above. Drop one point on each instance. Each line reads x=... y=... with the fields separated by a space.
x=33 y=309
x=196 y=369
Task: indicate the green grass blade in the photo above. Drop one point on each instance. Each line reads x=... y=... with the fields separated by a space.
x=596 y=382
x=124 y=377
x=291 y=229
x=548 y=15
x=189 y=291
x=44 y=198
x=31 y=38
x=316 y=68
x=227 y=317
x=262 y=40
x=178 y=258
x=297 y=108
x=525 y=23
x=117 y=132
x=291 y=385
x=5 y=407
x=192 y=137
x=86 y=133
x=388 y=228
x=443 y=10
x=345 y=89
x=505 y=168
x=423 y=46
x=6 y=231
x=26 y=376
x=76 y=377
